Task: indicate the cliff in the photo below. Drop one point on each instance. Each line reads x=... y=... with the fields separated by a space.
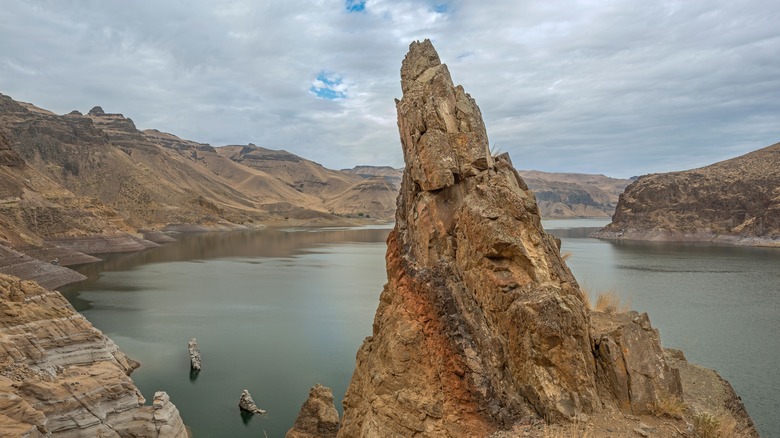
x=564 y=195
x=60 y=376
x=481 y=328
x=736 y=201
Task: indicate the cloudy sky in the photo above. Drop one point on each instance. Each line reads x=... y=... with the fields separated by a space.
x=615 y=87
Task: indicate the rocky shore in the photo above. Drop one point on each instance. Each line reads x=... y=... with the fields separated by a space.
x=60 y=376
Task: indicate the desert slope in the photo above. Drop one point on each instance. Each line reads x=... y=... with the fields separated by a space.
x=736 y=201
x=367 y=193
x=562 y=195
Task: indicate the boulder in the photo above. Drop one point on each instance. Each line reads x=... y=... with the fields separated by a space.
x=246 y=403
x=630 y=364
x=318 y=417
x=192 y=346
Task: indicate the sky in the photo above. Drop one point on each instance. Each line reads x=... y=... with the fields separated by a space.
x=621 y=88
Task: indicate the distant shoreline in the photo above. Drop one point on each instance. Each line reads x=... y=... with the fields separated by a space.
x=665 y=236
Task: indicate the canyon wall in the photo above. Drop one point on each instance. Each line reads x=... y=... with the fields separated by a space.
x=60 y=376
x=736 y=201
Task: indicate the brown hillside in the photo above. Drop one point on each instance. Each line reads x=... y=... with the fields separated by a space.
x=734 y=201
x=339 y=192
x=574 y=194
x=103 y=156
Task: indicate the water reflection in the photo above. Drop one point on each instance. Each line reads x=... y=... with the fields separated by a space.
x=195 y=247
x=246 y=417
x=274 y=311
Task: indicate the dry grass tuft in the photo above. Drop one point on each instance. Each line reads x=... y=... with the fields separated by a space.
x=706 y=425
x=606 y=302
x=669 y=406
x=565 y=255
x=722 y=425
x=576 y=429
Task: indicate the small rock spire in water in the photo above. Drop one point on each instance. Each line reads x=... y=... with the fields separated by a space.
x=194 y=354
x=247 y=404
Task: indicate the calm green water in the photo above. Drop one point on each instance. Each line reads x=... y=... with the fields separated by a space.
x=277 y=311
x=719 y=304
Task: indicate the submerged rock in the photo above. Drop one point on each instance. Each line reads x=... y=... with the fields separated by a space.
x=318 y=417
x=247 y=404
x=192 y=346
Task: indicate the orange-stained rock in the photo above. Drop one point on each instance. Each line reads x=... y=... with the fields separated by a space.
x=481 y=325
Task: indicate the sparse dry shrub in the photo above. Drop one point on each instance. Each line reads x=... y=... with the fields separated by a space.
x=585 y=295
x=706 y=425
x=670 y=406
x=577 y=429
x=727 y=427
x=609 y=302
x=720 y=425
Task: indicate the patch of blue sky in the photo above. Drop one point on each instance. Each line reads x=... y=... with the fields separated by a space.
x=441 y=8
x=355 y=5
x=329 y=86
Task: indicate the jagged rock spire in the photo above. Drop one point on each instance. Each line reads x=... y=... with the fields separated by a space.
x=481 y=322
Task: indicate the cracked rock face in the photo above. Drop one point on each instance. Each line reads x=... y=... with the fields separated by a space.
x=318 y=417
x=60 y=375
x=481 y=323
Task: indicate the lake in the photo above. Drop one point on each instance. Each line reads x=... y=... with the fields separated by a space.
x=277 y=311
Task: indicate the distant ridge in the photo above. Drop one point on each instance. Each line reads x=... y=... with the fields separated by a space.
x=563 y=195
x=736 y=201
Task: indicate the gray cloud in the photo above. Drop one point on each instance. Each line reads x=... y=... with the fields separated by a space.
x=620 y=88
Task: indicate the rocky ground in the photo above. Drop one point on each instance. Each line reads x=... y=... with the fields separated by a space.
x=60 y=376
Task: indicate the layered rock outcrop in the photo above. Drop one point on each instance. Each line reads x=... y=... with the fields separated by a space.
x=736 y=201
x=246 y=403
x=60 y=376
x=481 y=325
x=563 y=195
x=318 y=417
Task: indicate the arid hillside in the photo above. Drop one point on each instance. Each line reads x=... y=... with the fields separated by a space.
x=370 y=192
x=153 y=180
x=734 y=201
x=561 y=195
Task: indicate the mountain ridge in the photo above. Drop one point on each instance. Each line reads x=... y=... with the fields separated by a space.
x=735 y=201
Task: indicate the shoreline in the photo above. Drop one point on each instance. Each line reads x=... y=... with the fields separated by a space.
x=50 y=264
x=663 y=236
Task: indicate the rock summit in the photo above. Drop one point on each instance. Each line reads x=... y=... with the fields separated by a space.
x=481 y=325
